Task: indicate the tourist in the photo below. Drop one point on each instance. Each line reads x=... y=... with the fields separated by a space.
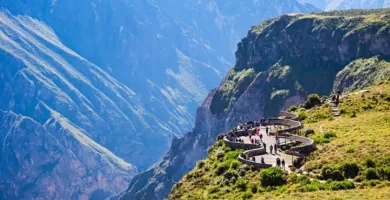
x=258 y=142
x=261 y=137
x=283 y=164
x=278 y=162
x=262 y=160
x=252 y=140
x=276 y=149
x=270 y=148
x=266 y=130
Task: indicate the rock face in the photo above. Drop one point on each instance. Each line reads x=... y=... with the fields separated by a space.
x=44 y=84
x=279 y=63
x=163 y=60
x=36 y=160
x=109 y=80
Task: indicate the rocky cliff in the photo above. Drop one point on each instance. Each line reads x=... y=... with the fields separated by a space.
x=166 y=56
x=111 y=79
x=277 y=64
x=56 y=110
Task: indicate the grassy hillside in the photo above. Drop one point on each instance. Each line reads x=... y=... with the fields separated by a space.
x=351 y=162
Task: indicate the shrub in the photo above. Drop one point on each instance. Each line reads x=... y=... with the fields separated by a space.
x=302 y=115
x=329 y=135
x=303 y=180
x=233 y=179
x=370 y=163
x=241 y=184
x=384 y=173
x=272 y=177
x=353 y=114
x=309 y=131
x=350 y=149
x=370 y=183
x=247 y=195
x=234 y=164
x=221 y=168
x=387 y=98
x=232 y=155
x=220 y=154
x=341 y=185
x=254 y=188
x=292 y=178
x=311 y=187
x=371 y=174
x=292 y=108
x=200 y=164
x=241 y=172
x=312 y=100
x=329 y=172
x=367 y=107
x=321 y=140
x=213 y=189
x=229 y=174
x=350 y=170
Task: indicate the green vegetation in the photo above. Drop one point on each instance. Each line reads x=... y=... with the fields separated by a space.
x=283 y=69
x=272 y=177
x=352 y=160
x=312 y=101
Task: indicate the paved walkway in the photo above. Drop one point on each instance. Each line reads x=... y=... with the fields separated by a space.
x=270 y=140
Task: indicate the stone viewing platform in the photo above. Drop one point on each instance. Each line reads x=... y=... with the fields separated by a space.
x=257 y=138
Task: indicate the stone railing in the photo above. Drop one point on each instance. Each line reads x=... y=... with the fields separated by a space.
x=289 y=115
x=239 y=145
x=293 y=124
x=253 y=152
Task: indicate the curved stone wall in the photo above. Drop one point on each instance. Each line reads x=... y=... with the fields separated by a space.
x=255 y=150
x=238 y=145
x=289 y=115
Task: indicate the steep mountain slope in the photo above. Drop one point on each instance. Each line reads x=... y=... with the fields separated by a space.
x=169 y=61
x=347 y=145
x=110 y=79
x=44 y=84
x=278 y=64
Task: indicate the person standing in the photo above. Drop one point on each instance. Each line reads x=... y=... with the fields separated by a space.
x=283 y=164
x=266 y=130
x=276 y=148
x=261 y=137
x=270 y=148
x=278 y=162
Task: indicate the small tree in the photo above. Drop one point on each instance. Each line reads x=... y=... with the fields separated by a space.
x=312 y=100
x=273 y=176
x=292 y=108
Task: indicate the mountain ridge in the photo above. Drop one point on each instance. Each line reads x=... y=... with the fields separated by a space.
x=273 y=71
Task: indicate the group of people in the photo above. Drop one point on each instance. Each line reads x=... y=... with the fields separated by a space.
x=336 y=98
x=279 y=163
x=254 y=160
x=273 y=147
